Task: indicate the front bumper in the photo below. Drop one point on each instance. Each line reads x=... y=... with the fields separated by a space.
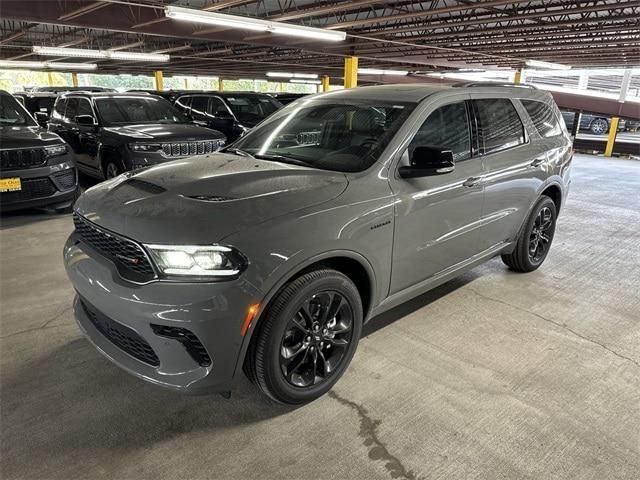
x=54 y=184
x=212 y=312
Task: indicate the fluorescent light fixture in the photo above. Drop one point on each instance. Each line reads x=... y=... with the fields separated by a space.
x=46 y=65
x=291 y=75
x=547 y=65
x=255 y=24
x=104 y=54
x=378 y=71
x=310 y=82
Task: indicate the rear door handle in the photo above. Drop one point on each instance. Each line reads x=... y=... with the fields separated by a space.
x=471 y=181
x=538 y=161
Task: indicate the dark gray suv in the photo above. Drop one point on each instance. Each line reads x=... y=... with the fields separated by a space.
x=270 y=255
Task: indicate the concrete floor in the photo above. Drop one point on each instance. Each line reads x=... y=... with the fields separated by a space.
x=493 y=375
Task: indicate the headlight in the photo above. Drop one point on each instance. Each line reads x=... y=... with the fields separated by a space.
x=196 y=260
x=55 y=150
x=145 y=147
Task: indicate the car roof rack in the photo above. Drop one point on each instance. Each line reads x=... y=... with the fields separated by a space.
x=497 y=84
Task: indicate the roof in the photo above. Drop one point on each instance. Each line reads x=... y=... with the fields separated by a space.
x=397 y=92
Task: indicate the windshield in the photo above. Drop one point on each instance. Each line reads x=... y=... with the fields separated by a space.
x=345 y=136
x=12 y=113
x=252 y=109
x=136 y=110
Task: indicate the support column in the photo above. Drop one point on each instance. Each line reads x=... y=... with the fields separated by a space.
x=624 y=88
x=613 y=131
x=74 y=79
x=159 y=80
x=517 y=79
x=350 y=72
x=50 y=78
x=575 y=128
x=186 y=83
x=220 y=84
x=325 y=83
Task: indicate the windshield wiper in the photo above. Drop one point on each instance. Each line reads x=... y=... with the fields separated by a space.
x=237 y=151
x=286 y=159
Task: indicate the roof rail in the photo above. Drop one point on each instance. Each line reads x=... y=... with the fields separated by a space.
x=497 y=84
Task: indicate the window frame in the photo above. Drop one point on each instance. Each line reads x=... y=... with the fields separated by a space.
x=525 y=132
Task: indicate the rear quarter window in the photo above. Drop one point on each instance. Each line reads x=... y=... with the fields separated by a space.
x=543 y=117
x=499 y=125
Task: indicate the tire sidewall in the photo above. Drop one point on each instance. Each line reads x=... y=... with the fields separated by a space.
x=279 y=319
x=543 y=202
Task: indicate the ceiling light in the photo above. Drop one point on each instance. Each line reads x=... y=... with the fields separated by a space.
x=48 y=65
x=291 y=75
x=547 y=65
x=106 y=54
x=310 y=82
x=378 y=71
x=255 y=24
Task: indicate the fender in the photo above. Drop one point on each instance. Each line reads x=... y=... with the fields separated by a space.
x=292 y=273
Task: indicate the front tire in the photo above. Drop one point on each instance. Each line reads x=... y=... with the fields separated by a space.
x=534 y=241
x=599 y=126
x=307 y=338
x=112 y=169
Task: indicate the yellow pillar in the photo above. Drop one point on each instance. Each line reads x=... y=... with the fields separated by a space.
x=50 y=78
x=350 y=72
x=220 y=84
x=613 y=131
x=186 y=83
x=518 y=77
x=74 y=79
x=325 y=83
x=159 y=80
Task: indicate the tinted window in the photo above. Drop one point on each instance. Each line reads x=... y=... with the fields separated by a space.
x=217 y=107
x=199 y=105
x=45 y=104
x=543 y=117
x=184 y=103
x=122 y=110
x=252 y=109
x=72 y=109
x=58 y=110
x=12 y=113
x=499 y=125
x=84 y=107
x=447 y=128
x=346 y=135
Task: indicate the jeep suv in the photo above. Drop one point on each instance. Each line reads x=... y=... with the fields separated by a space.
x=36 y=167
x=111 y=133
x=232 y=113
x=271 y=254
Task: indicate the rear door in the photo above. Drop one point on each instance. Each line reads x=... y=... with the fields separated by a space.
x=510 y=156
x=436 y=217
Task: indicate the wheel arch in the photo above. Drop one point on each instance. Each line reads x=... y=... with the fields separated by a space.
x=554 y=192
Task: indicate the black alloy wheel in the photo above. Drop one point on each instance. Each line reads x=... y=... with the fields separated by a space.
x=541 y=234
x=316 y=339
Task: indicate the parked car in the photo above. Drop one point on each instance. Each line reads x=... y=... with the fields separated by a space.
x=286 y=98
x=169 y=95
x=111 y=133
x=595 y=124
x=272 y=254
x=38 y=104
x=232 y=113
x=36 y=166
x=67 y=88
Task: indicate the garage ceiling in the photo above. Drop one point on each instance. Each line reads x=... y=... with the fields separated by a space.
x=418 y=36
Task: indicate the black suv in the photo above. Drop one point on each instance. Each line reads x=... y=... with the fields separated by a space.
x=38 y=104
x=232 y=113
x=36 y=167
x=111 y=133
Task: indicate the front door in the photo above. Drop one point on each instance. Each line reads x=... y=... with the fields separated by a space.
x=436 y=217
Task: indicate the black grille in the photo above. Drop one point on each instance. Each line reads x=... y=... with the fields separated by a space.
x=129 y=258
x=122 y=337
x=181 y=149
x=66 y=179
x=188 y=340
x=23 y=158
x=31 y=188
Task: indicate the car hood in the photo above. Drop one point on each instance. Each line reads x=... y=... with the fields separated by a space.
x=165 y=132
x=203 y=199
x=24 y=137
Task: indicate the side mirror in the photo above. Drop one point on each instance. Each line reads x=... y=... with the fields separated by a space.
x=86 y=121
x=42 y=118
x=427 y=161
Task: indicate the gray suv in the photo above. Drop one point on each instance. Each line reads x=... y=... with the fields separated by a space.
x=270 y=255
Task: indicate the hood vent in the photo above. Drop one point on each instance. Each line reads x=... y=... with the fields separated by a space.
x=144 y=185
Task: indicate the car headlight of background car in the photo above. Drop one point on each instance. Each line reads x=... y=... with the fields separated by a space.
x=203 y=261
x=55 y=150
x=145 y=147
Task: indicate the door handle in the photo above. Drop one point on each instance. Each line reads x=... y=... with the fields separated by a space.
x=471 y=181
x=538 y=161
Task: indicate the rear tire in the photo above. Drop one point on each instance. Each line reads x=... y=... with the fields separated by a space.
x=307 y=338
x=599 y=126
x=535 y=239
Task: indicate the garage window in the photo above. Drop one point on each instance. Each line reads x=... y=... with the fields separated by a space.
x=499 y=125
x=543 y=117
